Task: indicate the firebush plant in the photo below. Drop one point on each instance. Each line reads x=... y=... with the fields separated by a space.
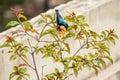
x=57 y=47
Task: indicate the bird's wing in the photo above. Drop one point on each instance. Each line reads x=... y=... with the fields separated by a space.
x=59 y=16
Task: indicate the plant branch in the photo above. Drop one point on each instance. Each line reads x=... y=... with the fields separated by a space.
x=79 y=49
x=25 y=30
x=25 y=61
x=22 y=57
x=67 y=76
x=82 y=46
x=42 y=30
x=34 y=62
x=49 y=41
x=33 y=57
x=31 y=36
x=42 y=71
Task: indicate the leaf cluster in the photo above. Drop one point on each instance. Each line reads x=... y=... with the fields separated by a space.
x=20 y=72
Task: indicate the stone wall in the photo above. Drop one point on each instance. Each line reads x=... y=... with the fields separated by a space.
x=100 y=14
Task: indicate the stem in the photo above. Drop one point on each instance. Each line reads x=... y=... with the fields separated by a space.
x=79 y=49
x=42 y=72
x=25 y=30
x=42 y=31
x=49 y=41
x=32 y=36
x=85 y=42
x=25 y=61
x=79 y=42
x=33 y=57
x=44 y=28
x=31 y=48
x=34 y=62
x=67 y=76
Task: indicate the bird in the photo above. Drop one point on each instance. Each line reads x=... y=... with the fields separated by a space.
x=60 y=21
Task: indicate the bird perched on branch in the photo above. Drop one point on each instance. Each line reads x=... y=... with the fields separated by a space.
x=60 y=22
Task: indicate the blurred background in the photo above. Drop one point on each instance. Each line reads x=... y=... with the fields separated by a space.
x=31 y=8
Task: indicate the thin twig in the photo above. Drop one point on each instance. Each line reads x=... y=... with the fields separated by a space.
x=25 y=30
x=67 y=76
x=82 y=46
x=30 y=45
x=43 y=30
x=34 y=62
x=42 y=71
x=31 y=36
x=25 y=61
x=49 y=41
x=79 y=49
x=79 y=42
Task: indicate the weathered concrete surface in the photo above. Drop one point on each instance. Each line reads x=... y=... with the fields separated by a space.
x=100 y=14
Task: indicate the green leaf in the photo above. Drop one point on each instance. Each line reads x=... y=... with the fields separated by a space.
x=111 y=39
x=19 y=78
x=41 y=21
x=23 y=70
x=22 y=16
x=26 y=74
x=48 y=16
x=51 y=76
x=24 y=56
x=13 y=57
x=76 y=72
x=46 y=56
x=107 y=57
x=85 y=25
x=103 y=63
x=12 y=75
x=67 y=46
x=107 y=51
x=78 y=66
x=69 y=35
x=115 y=36
x=12 y=24
x=15 y=68
x=46 y=32
x=66 y=68
x=81 y=17
x=96 y=70
x=64 y=73
x=104 y=34
x=67 y=18
x=73 y=65
x=5 y=44
x=56 y=70
x=27 y=25
x=97 y=66
x=60 y=78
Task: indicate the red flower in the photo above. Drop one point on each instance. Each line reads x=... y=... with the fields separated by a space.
x=17 y=11
x=112 y=31
x=20 y=65
x=9 y=39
